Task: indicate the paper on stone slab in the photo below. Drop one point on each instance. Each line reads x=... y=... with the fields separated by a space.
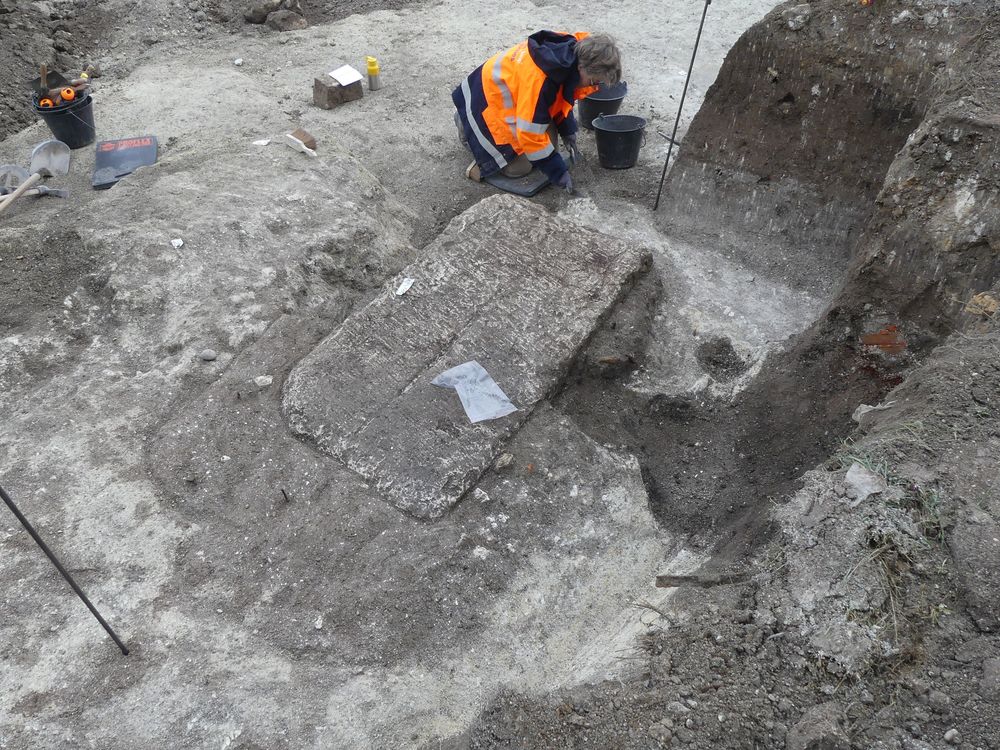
x=862 y=483
x=479 y=393
x=405 y=286
x=345 y=75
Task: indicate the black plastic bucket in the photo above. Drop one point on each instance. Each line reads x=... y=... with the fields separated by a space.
x=605 y=101
x=73 y=124
x=619 y=138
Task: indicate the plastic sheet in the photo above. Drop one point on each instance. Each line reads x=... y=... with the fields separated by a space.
x=481 y=397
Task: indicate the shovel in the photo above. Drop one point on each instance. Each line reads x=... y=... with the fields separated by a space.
x=11 y=176
x=49 y=158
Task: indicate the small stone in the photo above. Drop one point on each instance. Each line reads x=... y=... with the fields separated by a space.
x=319 y=623
x=505 y=462
x=938 y=701
x=263 y=381
x=989 y=686
x=258 y=12
x=685 y=735
x=983 y=304
x=286 y=20
x=238 y=61
x=820 y=726
x=677 y=708
x=952 y=737
x=208 y=355
x=798 y=16
x=661 y=733
x=177 y=243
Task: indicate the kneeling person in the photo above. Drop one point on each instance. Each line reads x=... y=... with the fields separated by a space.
x=511 y=108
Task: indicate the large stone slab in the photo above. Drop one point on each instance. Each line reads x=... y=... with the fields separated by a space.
x=506 y=284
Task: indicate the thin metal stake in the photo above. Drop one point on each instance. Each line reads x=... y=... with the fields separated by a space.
x=677 y=122
x=69 y=579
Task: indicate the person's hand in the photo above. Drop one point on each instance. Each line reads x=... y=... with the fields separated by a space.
x=565 y=182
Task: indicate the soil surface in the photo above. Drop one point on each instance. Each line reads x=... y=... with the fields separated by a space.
x=70 y=35
x=759 y=511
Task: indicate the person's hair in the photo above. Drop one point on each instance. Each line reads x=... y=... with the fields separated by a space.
x=599 y=57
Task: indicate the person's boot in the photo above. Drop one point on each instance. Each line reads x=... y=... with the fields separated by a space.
x=473 y=173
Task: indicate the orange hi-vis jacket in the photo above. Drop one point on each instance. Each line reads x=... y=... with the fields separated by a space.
x=508 y=104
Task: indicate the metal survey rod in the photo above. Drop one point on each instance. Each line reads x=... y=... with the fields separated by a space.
x=69 y=579
x=680 y=107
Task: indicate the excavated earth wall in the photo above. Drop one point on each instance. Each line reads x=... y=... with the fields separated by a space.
x=866 y=616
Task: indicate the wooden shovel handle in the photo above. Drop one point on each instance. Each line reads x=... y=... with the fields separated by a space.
x=7 y=196
x=23 y=188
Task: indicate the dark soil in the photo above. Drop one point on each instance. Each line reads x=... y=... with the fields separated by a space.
x=60 y=38
x=719 y=359
x=36 y=279
x=711 y=466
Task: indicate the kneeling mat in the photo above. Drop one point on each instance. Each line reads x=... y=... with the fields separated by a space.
x=527 y=186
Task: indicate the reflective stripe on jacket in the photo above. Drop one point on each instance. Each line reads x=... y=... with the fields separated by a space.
x=508 y=103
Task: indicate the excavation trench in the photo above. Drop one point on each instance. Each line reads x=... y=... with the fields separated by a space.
x=270 y=592
x=792 y=185
x=770 y=217
x=853 y=164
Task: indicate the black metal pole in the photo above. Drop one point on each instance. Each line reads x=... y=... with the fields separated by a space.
x=65 y=574
x=680 y=107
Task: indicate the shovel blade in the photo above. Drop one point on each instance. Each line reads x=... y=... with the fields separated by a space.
x=12 y=175
x=50 y=158
x=52 y=81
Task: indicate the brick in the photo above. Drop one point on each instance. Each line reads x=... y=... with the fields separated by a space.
x=327 y=93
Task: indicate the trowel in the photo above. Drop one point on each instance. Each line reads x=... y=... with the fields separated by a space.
x=49 y=158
